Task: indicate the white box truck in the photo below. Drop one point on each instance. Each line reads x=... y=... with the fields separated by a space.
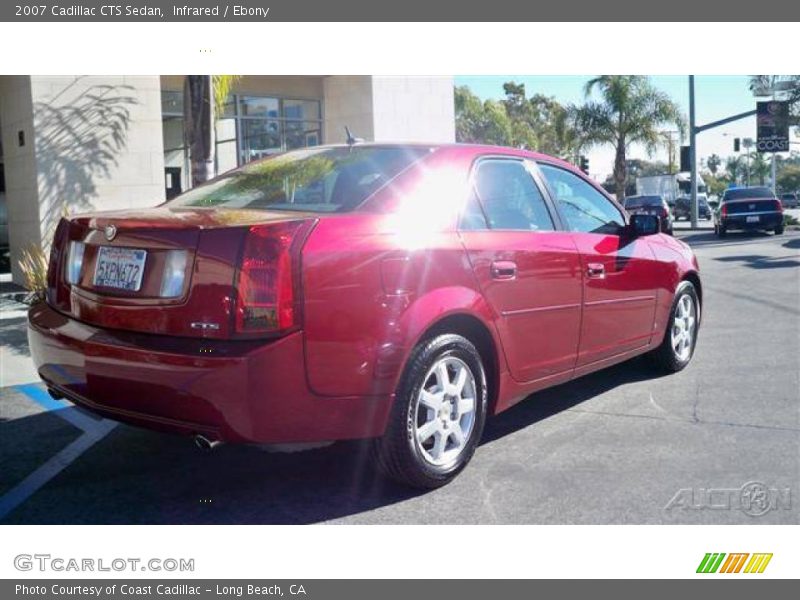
x=669 y=187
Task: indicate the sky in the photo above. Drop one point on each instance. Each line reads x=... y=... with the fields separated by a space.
x=716 y=97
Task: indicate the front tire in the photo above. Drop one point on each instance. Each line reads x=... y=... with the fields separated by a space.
x=677 y=347
x=438 y=414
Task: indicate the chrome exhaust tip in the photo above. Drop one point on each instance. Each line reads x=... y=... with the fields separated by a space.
x=204 y=443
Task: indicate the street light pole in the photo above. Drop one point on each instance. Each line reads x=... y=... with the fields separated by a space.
x=692 y=152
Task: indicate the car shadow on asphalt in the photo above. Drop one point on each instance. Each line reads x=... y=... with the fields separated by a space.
x=709 y=238
x=135 y=476
x=760 y=261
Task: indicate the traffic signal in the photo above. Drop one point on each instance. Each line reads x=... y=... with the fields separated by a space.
x=736 y=144
x=686 y=159
x=584 y=164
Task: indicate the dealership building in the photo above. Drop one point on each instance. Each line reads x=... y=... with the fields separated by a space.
x=82 y=143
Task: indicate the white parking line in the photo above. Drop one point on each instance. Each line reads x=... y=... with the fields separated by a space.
x=36 y=480
x=93 y=430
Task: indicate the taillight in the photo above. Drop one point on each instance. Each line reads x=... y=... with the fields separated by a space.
x=664 y=213
x=74 y=262
x=724 y=210
x=778 y=206
x=267 y=287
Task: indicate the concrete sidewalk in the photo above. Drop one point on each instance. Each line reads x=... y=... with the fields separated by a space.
x=16 y=366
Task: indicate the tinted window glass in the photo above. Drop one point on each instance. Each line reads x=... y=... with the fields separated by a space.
x=510 y=198
x=635 y=201
x=584 y=208
x=319 y=179
x=745 y=193
x=472 y=218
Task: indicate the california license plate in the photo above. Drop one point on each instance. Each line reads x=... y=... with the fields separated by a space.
x=119 y=268
x=752 y=219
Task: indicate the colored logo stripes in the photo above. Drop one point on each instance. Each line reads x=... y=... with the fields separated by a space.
x=734 y=563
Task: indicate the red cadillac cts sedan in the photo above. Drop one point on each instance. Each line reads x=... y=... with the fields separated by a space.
x=395 y=292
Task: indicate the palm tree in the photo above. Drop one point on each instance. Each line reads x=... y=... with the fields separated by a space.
x=734 y=166
x=204 y=99
x=713 y=162
x=760 y=167
x=630 y=111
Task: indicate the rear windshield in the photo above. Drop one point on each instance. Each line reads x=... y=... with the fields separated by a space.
x=317 y=180
x=745 y=193
x=789 y=196
x=642 y=201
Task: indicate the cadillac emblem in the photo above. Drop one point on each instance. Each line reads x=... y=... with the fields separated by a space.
x=111 y=232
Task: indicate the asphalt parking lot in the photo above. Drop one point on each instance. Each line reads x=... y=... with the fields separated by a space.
x=716 y=443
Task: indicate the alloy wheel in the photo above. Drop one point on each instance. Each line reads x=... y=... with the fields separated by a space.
x=683 y=327
x=445 y=411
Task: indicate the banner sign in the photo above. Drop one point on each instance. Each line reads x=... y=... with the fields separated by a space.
x=773 y=126
x=407 y=11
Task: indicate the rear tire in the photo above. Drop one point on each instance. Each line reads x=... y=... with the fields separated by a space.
x=676 y=349
x=779 y=230
x=721 y=231
x=438 y=414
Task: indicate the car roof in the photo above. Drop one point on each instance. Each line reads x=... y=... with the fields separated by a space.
x=464 y=149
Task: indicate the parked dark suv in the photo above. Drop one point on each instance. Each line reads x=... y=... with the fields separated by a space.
x=750 y=209
x=651 y=205
x=683 y=208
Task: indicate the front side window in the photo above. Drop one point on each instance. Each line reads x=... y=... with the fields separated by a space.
x=509 y=197
x=318 y=180
x=583 y=207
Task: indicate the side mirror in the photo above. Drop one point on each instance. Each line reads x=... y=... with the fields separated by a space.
x=641 y=225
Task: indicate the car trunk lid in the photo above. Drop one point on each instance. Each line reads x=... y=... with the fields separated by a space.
x=161 y=270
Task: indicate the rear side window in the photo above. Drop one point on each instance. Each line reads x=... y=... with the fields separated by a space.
x=317 y=180
x=584 y=208
x=508 y=197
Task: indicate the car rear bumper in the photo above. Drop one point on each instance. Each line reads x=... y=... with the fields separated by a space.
x=765 y=221
x=229 y=391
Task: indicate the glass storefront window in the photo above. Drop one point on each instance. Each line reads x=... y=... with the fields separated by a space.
x=248 y=128
x=259 y=138
x=171 y=103
x=301 y=134
x=253 y=106
x=301 y=109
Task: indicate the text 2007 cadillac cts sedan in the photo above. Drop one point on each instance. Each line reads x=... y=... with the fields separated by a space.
x=396 y=292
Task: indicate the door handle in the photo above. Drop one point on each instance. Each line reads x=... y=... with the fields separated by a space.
x=504 y=269
x=596 y=270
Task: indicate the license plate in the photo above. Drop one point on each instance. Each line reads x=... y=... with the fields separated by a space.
x=753 y=219
x=119 y=268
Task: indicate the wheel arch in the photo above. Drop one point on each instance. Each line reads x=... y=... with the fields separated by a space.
x=694 y=279
x=479 y=333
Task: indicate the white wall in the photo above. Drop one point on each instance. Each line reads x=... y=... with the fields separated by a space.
x=92 y=142
x=398 y=109
x=414 y=109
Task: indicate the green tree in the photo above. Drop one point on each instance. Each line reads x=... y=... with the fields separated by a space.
x=760 y=167
x=480 y=122
x=789 y=178
x=713 y=163
x=537 y=123
x=630 y=110
x=734 y=167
